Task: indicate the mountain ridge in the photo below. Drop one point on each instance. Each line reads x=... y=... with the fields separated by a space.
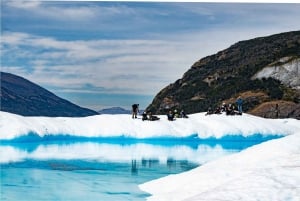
x=224 y=76
x=23 y=97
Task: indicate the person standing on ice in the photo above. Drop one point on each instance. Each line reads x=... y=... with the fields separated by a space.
x=239 y=103
x=135 y=110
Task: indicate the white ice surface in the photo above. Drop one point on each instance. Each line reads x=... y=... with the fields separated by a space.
x=269 y=171
x=266 y=172
x=13 y=126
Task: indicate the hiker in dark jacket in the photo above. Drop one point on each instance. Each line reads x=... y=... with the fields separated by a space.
x=152 y=117
x=135 y=110
x=209 y=111
x=170 y=116
x=144 y=116
x=183 y=115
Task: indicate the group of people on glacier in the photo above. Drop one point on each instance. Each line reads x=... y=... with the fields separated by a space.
x=229 y=109
x=149 y=116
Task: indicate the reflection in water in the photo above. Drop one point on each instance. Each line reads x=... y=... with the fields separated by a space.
x=148 y=154
x=96 y=170
x=102 y=156
x=134 y=168
x=150 y=162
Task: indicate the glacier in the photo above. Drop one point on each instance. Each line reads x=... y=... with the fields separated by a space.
x=108 y=126
x=268 y=171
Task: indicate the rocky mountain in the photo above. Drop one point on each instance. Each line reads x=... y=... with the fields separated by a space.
x=20 y=96
x=264 y=71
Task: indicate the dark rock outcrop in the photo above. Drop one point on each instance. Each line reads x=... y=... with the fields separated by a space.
x=277 y=109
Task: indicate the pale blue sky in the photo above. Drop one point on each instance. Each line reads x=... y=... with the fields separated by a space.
x=103 y=54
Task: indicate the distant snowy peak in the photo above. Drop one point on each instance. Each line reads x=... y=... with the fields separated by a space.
x=286 y=70
x=114 y=110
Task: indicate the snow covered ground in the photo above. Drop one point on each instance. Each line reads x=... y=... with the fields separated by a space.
x=269 y=171
x=197 y=125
